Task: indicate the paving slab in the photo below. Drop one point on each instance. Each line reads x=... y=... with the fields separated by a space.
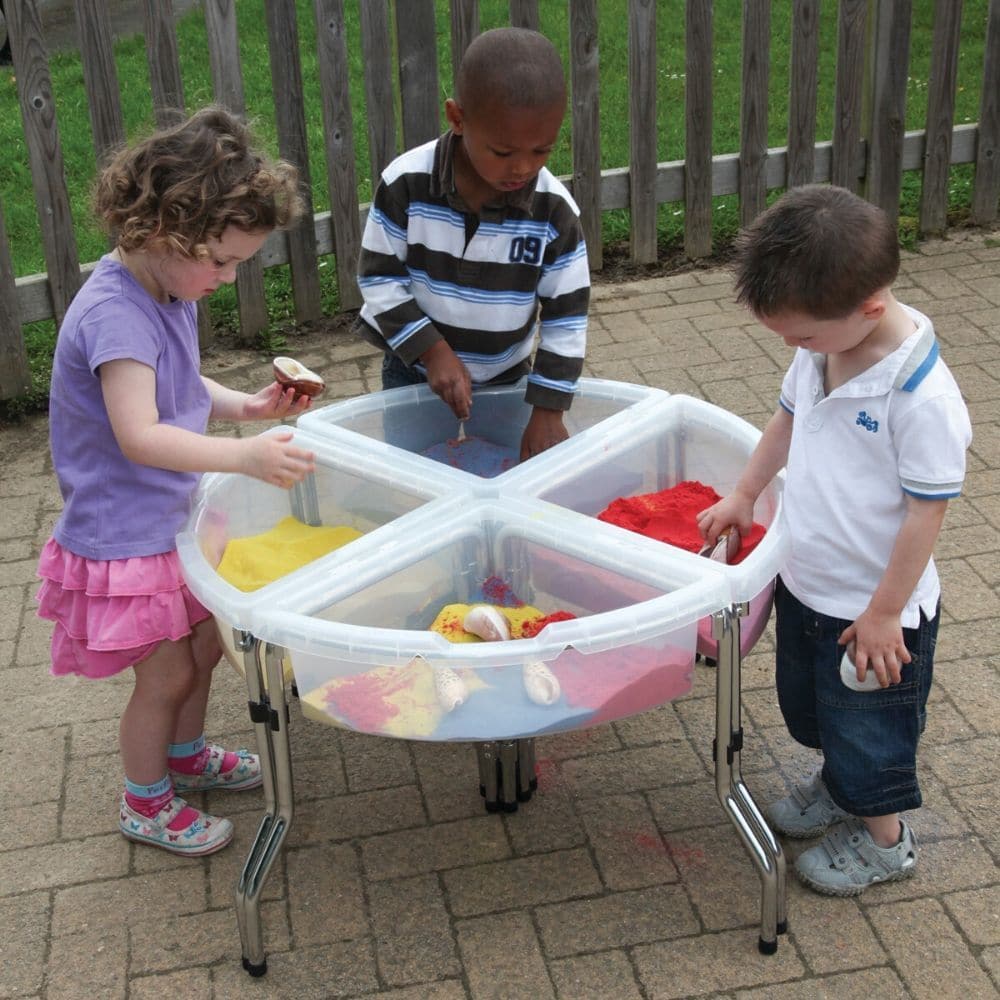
x=622 y=877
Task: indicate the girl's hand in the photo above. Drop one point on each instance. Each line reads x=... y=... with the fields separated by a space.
x=878 y=645
x=273 y=459
x=735 y=509
x=275 y=403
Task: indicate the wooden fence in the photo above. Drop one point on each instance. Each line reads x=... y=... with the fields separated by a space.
x=868 y=152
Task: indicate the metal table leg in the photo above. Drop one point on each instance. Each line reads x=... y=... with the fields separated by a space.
x=733 y=794
x=506 y=773
x=269 y=712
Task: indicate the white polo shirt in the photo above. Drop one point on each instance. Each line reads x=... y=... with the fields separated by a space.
x=899 y=428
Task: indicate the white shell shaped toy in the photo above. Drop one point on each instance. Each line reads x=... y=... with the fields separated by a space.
x=487 y=623
x=449 y=688
x=540 y=684
x=292 y=374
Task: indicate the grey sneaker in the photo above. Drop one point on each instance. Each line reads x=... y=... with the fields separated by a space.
x=807 y=812
x=846 y=861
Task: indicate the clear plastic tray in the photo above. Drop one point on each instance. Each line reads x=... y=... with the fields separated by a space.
x=349 y=488
x=685 y=439
x=363 y=656
x=413 y=420
x=355 y=622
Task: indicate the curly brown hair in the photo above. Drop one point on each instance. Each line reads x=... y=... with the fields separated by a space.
x=187 y=183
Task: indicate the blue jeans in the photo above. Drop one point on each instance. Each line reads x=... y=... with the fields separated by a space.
x=868 y=738
x=396 y=374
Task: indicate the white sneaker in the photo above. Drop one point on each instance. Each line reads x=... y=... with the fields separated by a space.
x=807 y=812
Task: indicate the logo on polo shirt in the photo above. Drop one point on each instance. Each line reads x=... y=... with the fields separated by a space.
x=869 y=423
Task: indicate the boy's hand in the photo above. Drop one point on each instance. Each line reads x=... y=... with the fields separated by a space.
x=448 y=378
x=733 y=510
x=878 y=645
x=275 y=403
x=273 y=459
x=545 y=429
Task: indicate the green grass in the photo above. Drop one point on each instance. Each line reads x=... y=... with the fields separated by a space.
x=80 y=168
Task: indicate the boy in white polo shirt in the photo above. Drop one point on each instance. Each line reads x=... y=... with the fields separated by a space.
x=873 y=431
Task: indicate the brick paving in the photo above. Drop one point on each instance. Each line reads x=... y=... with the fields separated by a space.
x=622 y=878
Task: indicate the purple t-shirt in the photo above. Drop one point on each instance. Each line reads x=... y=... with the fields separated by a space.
x=115 y=508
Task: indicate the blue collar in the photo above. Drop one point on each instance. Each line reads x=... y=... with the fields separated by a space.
x=918 y=365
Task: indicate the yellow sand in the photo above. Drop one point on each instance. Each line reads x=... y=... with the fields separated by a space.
x=449 y=621
x=406 y=696
x=257 y=560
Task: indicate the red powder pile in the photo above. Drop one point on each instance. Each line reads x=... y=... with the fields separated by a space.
x=363 y=702
x=669 y=516
x=498 y=592
x=532 y=627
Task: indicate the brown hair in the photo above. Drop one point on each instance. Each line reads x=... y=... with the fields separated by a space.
x=187 y=183
x=819 y=250
x=515 y=67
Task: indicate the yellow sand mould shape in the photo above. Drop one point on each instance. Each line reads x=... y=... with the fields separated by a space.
x=406 y=695
x=254 y=561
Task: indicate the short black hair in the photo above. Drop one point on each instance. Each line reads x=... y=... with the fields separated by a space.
x=819 y=250
x=516 y=67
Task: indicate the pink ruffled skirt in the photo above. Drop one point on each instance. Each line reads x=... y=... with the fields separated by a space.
x=110 y=614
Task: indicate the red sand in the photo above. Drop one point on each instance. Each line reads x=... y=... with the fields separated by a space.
x=618 y=683
x=496 y=591
x=531 y=628
x=669 y=516
x=363 y=700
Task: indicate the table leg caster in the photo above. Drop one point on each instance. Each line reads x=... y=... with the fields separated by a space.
x=253 y=968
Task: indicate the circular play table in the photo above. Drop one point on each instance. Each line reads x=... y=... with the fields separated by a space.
x=441 y=515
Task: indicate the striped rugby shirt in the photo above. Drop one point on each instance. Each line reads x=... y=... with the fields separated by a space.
x=431 y=269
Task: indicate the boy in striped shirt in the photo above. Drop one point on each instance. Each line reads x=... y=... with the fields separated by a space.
x=471 y=242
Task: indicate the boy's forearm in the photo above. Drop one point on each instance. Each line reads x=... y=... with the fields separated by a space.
x=910 y=555
x=769 y=457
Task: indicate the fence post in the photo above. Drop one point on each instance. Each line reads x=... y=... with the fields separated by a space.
x=41 y=133
x=753 y=108
x=164 y=64
x=698 y=142
x=100 y=77
x=286 y=82
x=222 y=33
x=586 y=124
x=844 y=167
x=227 y=84
x=801 y=161
x=987 y=183
x=884 y=109
x=464 y=27
x=416 y=41
x=376 y=44
x=524 y=14
x=642 y=129
x=338 y=129
x=940 y=116
x=15 y=375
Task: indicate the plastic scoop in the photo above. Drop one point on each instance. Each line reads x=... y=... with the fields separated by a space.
x=724 y=548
